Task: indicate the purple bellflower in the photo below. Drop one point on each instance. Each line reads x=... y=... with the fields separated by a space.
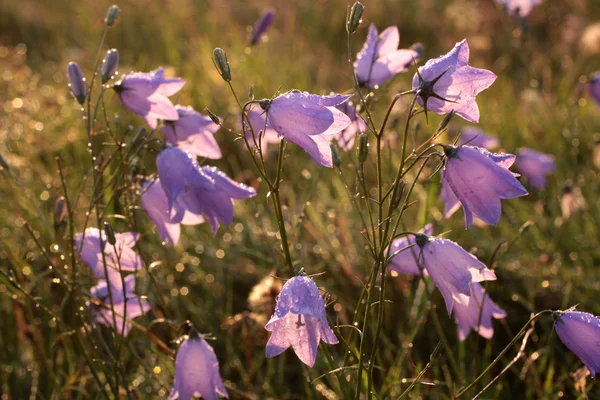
x=479 y=180
x=580 y=332
x=308 y=120
x=197 y=371
x=594 y=88
x=403 y=259
x=197 y=190
x=379 y=59
x=477 y=138
x=193 y=132
x=154 y=201
x=448 y=83
x=262 y=25
x=478 y=314
x=345 y=137
x=125 y=303
x=120 y=257
x=535 y=166
x=264 y=134
x=519 y=8
x=299 y=321
x=146 y=94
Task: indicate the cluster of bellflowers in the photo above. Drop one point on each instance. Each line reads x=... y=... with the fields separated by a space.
x=184 y=191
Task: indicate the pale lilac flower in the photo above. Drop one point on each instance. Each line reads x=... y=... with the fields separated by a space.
x=124 y=302
x=404 y=262
x=594 y=88
x=308 y=120
x=448 y=83
x=197 y=371
x=76 y=82
x=146 y=94
x=580 y=332
x=120 y=257
x=451 y=268
x=519 y=8
x=154 y=201
x=299 y=321
x=193 y=132
x=478 y=314
x=479 y=180
x=262 y=25
x=345 y=138
x=535 y=166
x=477 y=138
x=379 y=59
x=262 y=135
x=198 y=190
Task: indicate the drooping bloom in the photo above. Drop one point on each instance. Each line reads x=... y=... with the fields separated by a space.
x=197 y=190
x=308 y=120
x=76 y=82
x=535 y=166
x=580 y=332
x=477 y=138
x=146 y=94
x=193 y=132
x=404 y=260
x=154 y=201
x=263 y=134
x=299 y=321
x=479 y=180
x=120 y=257
x=197 y=371
x=448 y=83
x=519 y=8
x=594 y=88
x=262 y=25
x=124 y=302
x=478 y=314
x=345 y=137
x=379 y=59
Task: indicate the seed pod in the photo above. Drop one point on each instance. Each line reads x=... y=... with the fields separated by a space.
x=213 y=116
x=354 y=18
x=222 y=64
x=76 y=82
x=111 y=16
x=335 y=155
x=397 y=195
x=363 y=147
x=110 y=233
x=446 y=121
x=109 y=65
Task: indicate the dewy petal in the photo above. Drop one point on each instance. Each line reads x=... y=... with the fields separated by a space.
x=391 y=64
x=477 y=138
x=154 y=201
x=367 y=55
x=345 y=138
x=193 y=132
x=231 y=188
x=580 y=332
x=389 y=40
x=478 y=314
x=269 y=135
x=404 y=262
x=451 y=202
x=175 y=167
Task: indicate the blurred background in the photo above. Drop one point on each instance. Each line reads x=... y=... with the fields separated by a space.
x=551 y=252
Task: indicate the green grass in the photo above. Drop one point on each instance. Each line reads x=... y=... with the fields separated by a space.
x=537 y=101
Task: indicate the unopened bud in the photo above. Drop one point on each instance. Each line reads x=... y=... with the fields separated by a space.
x=111 y=16
x=262 y=25
x=446 y=121
x=335 y=156
x=110 y=65
x=418 y=47
x=222 y=64
x=213 y=117
x=363 y=147
x=354 y=17
x=110 y=233
x=76 y=82
x=60 y=212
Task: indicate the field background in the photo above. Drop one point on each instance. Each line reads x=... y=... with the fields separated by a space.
x=538 y=101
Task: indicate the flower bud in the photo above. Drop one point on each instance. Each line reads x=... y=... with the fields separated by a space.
x=76 y=82
x=109 y=65
x=418 y=47
x=446 y=121
x=111 y=16
x=335 y=155
x=110 y=233
x=354 y=18
x=397 y=195
x=222 y=64
x=262 y=25
x=60 y=212
x=363 y=147
x=213 y=117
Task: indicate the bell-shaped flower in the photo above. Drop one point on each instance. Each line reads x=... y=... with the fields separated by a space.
x=580 y=332
x=120 y=257
x=197 y=371
x=193 y=132
x=154 y=201
x=125 y=303
x=263 y=131
x=451 y=268
x=308 y=120
x=380 y=59
x=535 y=166
x=146 y=94
x=404 y=260
x=478 y=314
x=519 y=8
x=262 y=25
x=448 y=83
x=299 y=321
x=345 y=138
x=198 y=190
x=477 y=138
x=479 y=180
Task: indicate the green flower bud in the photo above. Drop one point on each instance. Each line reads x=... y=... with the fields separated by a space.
x=354 y=17
x=363 y=147
x=222 y=64
x=110 y=234
x=111 y=16
x=335 y=155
